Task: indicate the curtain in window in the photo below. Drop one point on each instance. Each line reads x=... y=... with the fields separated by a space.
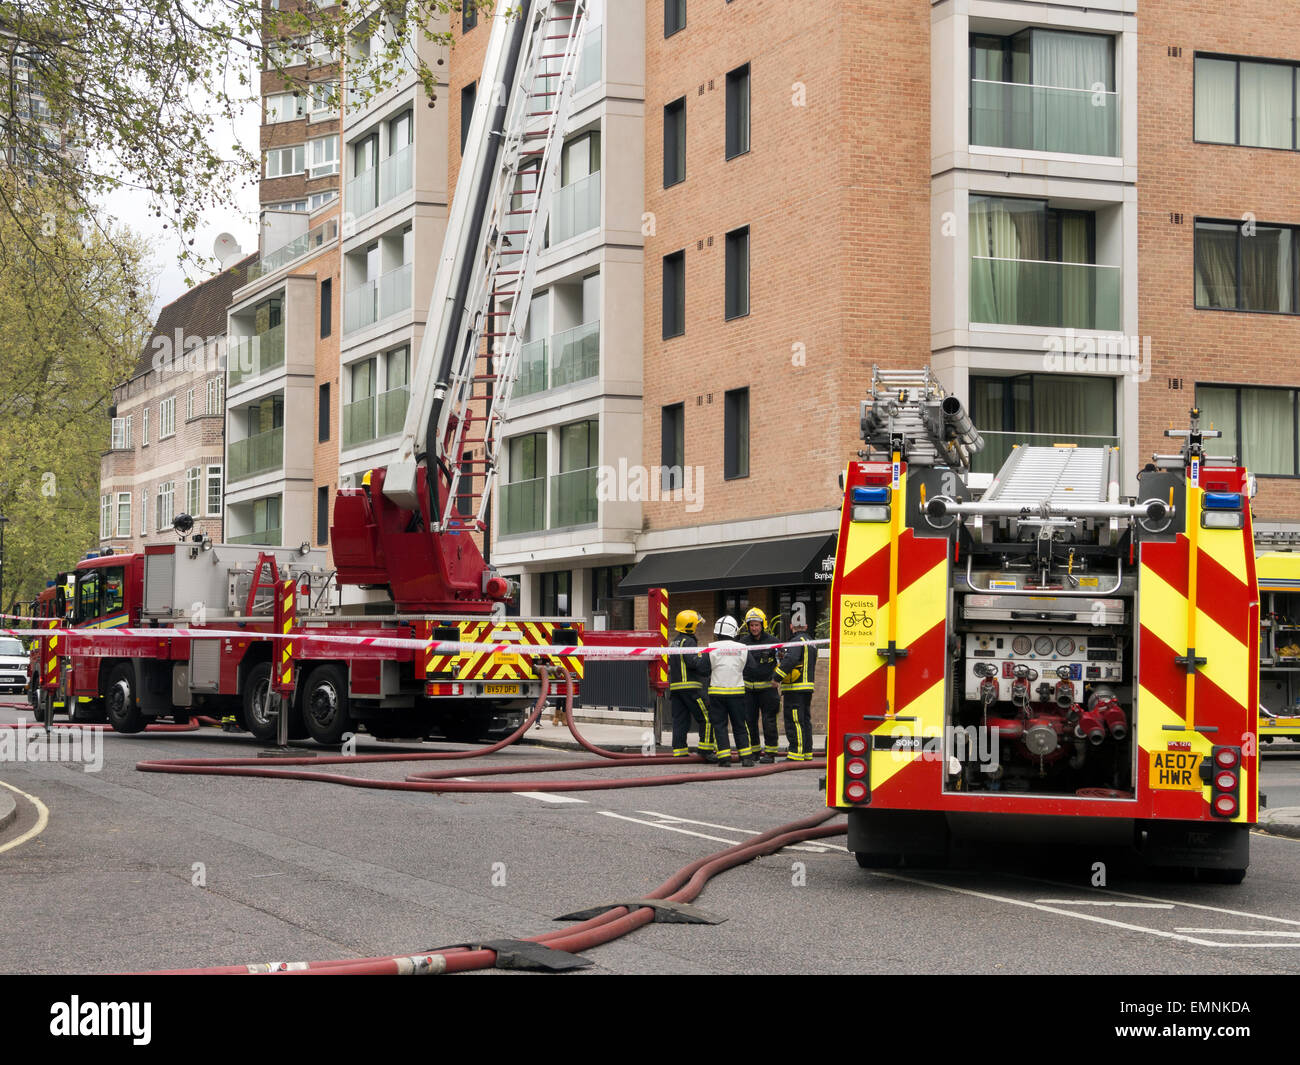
x=1216 y=100
x=1219 y=411
x=1216 y=265
x=1002 y=232
x=1067 y=119
x=1266 y=105
x=989 y=97
x=1266 y=273
x=1078 y=283
x=1267 y=430
x=1068 y=408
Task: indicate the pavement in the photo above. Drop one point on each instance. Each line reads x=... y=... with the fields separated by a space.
x=8 y=810
x=622 y=738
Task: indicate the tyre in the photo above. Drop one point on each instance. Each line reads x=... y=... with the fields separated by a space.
x=397 y=725
x=257 y=716
x=872 y=860
x=120 y=701
x=325 y=708
x=1221 y=876
x=87 y=713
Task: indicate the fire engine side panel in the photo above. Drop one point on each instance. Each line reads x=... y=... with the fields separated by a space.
x=1225 y=688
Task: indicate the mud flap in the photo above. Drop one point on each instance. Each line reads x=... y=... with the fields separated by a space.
x=1199 y=844
x=917 y=836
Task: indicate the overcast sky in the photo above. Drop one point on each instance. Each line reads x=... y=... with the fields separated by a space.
x=238 y=218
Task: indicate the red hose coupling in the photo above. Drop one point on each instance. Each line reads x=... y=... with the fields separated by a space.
x=1091 y=727
x=1112 y=714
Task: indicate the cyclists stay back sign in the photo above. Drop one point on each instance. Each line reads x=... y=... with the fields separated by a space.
x=858 y=620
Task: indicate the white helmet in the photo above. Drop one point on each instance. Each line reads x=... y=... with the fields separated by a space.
x=725 y=626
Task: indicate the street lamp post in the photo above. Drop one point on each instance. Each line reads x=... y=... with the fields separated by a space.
x=3 y=522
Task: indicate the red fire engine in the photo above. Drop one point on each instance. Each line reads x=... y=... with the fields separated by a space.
x=1034 y=657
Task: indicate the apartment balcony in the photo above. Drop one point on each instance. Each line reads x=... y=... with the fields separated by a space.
x=361 y=192
x=395 y=174
x=375 y=417
x=314 y=238
x=1041 y=118
x=523 y=507
x=256 y=454
x=566 y=358
x=576 y=209
x=573 y=498
x=253 y=356
x=379 y=299
x=589 y=63
x=1049 y=295
x=264 y=537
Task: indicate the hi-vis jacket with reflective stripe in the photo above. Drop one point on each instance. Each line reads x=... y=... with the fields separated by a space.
x=688 y=672
x=727 y=668
x=760 y=662
x=798 y=664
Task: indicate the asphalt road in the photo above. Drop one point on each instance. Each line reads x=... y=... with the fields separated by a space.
x=143 y=871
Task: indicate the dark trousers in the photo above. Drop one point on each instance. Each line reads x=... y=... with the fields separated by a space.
x=689 y=707
x=798 y=724
x=764 y=703
x=731 y=707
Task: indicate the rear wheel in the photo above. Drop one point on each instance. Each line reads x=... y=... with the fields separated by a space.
x=397 y=725
x=258 y=717
x=325 y=708
x=120 y=701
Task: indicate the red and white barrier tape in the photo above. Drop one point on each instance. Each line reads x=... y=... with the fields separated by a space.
x=310 y=636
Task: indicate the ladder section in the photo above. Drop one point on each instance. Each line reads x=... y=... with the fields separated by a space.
x=1061 y=476
x=471 y=427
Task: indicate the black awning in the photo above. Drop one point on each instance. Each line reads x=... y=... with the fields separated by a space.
x=761 y=565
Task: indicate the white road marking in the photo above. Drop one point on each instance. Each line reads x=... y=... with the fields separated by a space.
x=814 y=848
x=1238 y=932
x=1160 y=932
x=42 y=818
x=1176 y=902
x=546 y=796
x=669 y=828
x=1098 y=902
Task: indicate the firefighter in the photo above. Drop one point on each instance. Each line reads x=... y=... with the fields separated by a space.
x=761 y=696
x=689 y=675
x=795 y=672
x=727 y=693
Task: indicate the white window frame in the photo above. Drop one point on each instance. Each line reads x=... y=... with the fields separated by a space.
x=193 y=488
x=214 y=395
x=285 y=107
x=328 y=163
x=166 y=505
x=144 y=511
x=297 y=156
x=317 y=200
x=167 y=418
x=287 y=205
x=123 y=501
x=189 y=405
x=144 y=427
x=320 y=94
x=213 y=481
x=106 y=516
x=117 y=439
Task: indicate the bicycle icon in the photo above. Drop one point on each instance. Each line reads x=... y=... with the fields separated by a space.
x=853 y=619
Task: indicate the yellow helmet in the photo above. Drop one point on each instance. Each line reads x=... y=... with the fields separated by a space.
x=756 y=615
x=688 y=621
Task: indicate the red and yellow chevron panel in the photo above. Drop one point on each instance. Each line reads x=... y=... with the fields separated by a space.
x=485 y=666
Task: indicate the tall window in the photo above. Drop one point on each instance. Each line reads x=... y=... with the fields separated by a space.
x=672 y=445
x=322 y=514
x=675 y=142
x=193 y=491
x=284 y=107
x=674 y=312
x=121 y=438
x=123 y=513
x=167 y=418
x=189 y=404
x=1258 y=426
x=216 y=386
x=326 y=307
x=105 y=517
x=1246 y=271
x=165 y=505
x=674 y=16
x=1241 y=101
x=468 y=15
x=1041 y=409
x=735 y=431
x=323 y=414
x=737 y=296
x=144 y=511
x=523 y=501
x=468 y=96
x=144 y=427
x=214 y=492
x=556 y=593
x=738 y=112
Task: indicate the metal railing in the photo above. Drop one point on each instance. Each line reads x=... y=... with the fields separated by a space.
x=361 y=192
x=256 y=454
x=573 y=498
x=523 y=506
x=576 y=209
x=314 y=238
x=1044 y=118
x=575 y=354
x=249 y=357
x=1046 y=294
